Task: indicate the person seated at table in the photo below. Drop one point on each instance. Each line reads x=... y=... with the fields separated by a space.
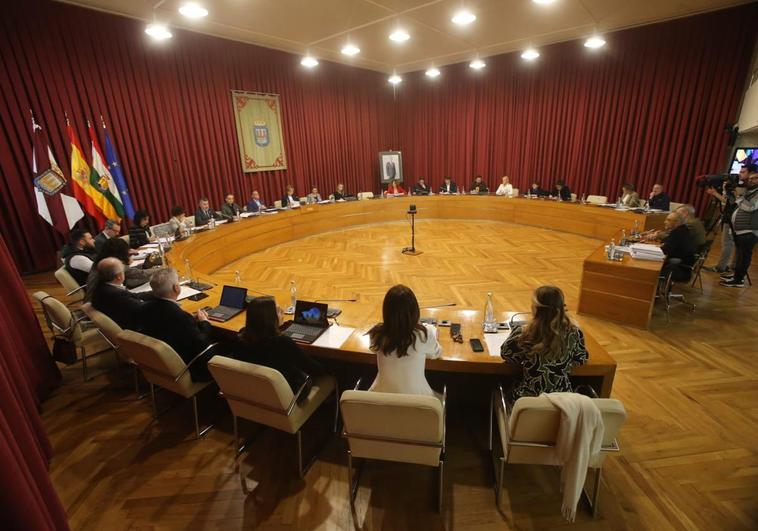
x=561 y=191
x=78 y=257
x=139 y=232
x=289 y=199
x=119 y=249
x=680 y=245
x=178 y=227
x=536 y=190
x=421 y=188
x=111 y=297
x=204 y=214
x=394 y=188
x=255 y=204
x=261 y=342
x=402 y=344
x=479 y=186
x=448 y=186
x=694 y=225
x=340 y=194
x=230 y=209
x=659 y=199
x=505 y=188
x=546 y=348
x=629 y=197
x=111 y=229
x=314 y=196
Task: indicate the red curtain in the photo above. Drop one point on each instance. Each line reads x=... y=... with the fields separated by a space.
x=27 y=373
x=651 y=106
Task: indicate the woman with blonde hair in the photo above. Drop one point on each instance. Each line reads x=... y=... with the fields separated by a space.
x=546 y=348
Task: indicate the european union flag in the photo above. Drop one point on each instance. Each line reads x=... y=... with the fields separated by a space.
x=118 y=175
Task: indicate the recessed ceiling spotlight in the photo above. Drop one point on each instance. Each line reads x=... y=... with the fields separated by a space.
x=193 y=10
x=477 y=64
x=399 y=36
x=309 y=61
x=432 y=72
x=158 y=32
x=395 y=79
x=530 y=55
x=463 y=18
x=543 y=2
x=594 y=42
x=350 y=49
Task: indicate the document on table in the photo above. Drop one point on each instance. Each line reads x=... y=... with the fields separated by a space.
x=334 y=336
x=183 y=294
x=494 y=342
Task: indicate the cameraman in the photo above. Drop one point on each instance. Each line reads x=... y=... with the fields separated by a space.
x=744 y=224
x=728 y=205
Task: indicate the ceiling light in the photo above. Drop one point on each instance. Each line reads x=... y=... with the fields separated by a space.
x=399 y=36
x=432 y=72
x=463 y=18
x=193 y=10
x=594 y=42
x=530 y=55
x=543 y=2
x=350 y=49
x=477 y=64
x=309 y=61
x=395 y=79
x=159 y=32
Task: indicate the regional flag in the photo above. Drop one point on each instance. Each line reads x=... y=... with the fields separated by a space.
x=61 y=211
x=118 y=175
x=80 y=176
x=101 y=180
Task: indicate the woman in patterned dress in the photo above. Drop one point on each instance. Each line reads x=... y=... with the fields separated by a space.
x=546 y=348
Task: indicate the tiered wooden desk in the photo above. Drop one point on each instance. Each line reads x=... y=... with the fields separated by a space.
x=208 y=251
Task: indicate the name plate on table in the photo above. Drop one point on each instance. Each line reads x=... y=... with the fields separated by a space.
x=334 y=337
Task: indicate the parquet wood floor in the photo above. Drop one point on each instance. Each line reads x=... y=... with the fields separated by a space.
x=690 y=388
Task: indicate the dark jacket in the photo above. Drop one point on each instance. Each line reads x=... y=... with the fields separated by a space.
x=564 y=193
x=338 y=195
x=421 y=189
x=284 y=355
x=119 y=304
x=229 y=211
x=482 y=187
x=100 y=240
x=286 y=201
x=138 y=236
x=253 y=206
x=165 y=320
x=679 y=244
x=79 y=276
x=203 y=217
x=660 y=201
x=539 y=192
x=453 y=188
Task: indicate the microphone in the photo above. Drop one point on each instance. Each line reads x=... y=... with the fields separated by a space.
x=510 y=321
x=438 y=306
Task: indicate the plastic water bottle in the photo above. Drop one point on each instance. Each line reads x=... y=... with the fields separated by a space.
x=188 y=269
x=237 y=278
x=612 y=250
x=584 y=199
x=489 y=324
x=293 y=294
x=213 y=223
x=623 y=241
x=636 y=229
x=618 y=202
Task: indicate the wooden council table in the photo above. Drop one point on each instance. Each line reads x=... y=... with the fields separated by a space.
x=210 y=250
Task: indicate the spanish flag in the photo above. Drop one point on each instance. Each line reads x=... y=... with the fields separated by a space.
x=90 y=198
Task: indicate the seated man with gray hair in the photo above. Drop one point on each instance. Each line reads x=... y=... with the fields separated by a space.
x=163 y=319
x=679 y=245
x=111 y=229
x=695 y=226
x=111 y=297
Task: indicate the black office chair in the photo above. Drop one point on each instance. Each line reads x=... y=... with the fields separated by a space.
x=674 y=272
x=700 y=258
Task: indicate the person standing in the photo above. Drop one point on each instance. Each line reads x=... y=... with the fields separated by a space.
x=745 y=226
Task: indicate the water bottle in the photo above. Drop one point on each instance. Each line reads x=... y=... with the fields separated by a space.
x=213 y=223
x=237 y=278
x=489 y=324
x=293 y=294
x=612 y=250
x=188 y=269
x=636 y=229
x=584 y=199
x=618 y=202
x=623 y=241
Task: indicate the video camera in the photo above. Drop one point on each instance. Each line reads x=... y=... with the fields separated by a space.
x=718 y=180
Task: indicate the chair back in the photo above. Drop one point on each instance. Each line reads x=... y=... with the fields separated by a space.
x=254 y=392
x=159 y=363
x=69 y=284
x=573 y=197
x=107 y=326
x=597 y=199
x=278 y=203
x=365 y=195
x=536 y=420
x=394 y=426
x=59 y=318
x=673 y=206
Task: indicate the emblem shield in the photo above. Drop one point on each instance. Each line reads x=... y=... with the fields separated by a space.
x=260 y=134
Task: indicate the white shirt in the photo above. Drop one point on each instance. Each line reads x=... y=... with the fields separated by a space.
x=505 y=189
x=81 y=263
x=406 y=374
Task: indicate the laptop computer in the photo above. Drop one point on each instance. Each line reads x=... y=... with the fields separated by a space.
x=310 y=322
x=232 y=303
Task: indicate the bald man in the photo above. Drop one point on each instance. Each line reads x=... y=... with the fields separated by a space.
x=678 y=244
x=111 y=297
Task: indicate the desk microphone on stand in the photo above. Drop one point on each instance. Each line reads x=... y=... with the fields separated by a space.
x=412 y=249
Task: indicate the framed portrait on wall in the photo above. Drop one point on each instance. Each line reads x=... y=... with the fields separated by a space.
x=390 y=166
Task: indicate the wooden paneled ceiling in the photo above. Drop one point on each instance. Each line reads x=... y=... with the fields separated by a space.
x=323 y=27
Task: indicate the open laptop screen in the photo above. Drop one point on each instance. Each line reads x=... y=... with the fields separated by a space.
x=310 y=313
x=233 y=297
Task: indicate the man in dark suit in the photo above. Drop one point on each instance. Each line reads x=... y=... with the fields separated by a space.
x=290 y=199
x=390 y=171
x=111 y=297
x=536 y=191
x=479 y=186
x=561 y=191
x=659 y=199
x=255 y=204
x=230 y=209
x=163 y=319
x=204 y=214
x=448 y=187
x=111 y=229
x=421 y=187
x=680 y=245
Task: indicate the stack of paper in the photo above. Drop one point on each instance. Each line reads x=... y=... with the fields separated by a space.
x=647 y=251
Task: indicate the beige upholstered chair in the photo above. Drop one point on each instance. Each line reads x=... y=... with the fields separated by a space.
x=365 y=195
x=515 y=192
x=72 y=287
x=110 y=330
x=597 y=199
x=67 y=327
x=394 y=427
x=261 y=394
x=573 y=197
x=673 y=206
x=278 y=203
x=529 y=431
x=162 y=366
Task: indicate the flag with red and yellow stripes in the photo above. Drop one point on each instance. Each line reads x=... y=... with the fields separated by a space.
x=89 y=196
